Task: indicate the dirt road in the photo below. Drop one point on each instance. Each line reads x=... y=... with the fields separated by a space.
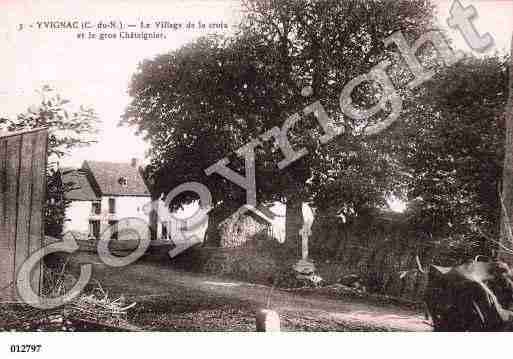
x=169 y=299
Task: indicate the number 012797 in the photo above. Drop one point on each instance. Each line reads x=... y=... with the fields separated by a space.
x=25 y=348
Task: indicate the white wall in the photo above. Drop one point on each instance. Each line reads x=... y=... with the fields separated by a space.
x=77 y=216
x=127 y=207
x=78 y=213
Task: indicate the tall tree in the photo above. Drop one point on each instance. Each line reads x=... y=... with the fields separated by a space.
x=451 y=140
x=200 y=103
x=69 y=128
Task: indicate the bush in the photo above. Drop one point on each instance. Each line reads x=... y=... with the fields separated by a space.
x=257 y=261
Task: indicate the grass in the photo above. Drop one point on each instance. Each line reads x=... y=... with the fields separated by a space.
x=93 y=310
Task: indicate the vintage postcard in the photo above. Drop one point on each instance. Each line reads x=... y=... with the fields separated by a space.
x=254 y=166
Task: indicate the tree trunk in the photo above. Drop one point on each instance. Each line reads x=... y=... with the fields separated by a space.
x=293 y=224
x=507 y=177
x=212 y=236
x=153 y=216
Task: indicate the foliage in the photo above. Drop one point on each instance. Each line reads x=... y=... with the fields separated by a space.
x=69 y=128
x=203 y=101
x=55 y=209
x=452 y=145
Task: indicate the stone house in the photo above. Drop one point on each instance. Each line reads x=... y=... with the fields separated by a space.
x=246 y=225
x=102 y=194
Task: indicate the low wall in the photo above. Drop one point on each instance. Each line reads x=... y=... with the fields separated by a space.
x=157 y=249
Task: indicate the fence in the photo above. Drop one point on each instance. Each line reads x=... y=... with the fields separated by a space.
x=23 y=157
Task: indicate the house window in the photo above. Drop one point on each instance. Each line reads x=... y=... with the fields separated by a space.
x=112 y=205
x=113 y=229
x=94 y=229
x=96 y=208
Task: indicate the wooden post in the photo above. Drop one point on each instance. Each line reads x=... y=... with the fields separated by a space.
x=23 y=158
x=506 y=204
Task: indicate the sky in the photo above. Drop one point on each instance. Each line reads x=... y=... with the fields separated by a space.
x=90 y=72
x=97 y=73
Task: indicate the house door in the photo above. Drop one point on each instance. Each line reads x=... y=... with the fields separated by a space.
x=95 y=228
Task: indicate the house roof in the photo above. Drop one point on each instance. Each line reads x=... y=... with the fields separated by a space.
x=266 y=211
x=107 y=178
x=261 y=212
x=78 y=187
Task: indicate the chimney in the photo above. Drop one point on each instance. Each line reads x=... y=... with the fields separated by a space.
x=135 y=162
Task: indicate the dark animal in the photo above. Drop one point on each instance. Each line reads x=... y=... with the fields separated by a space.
x=470 y=297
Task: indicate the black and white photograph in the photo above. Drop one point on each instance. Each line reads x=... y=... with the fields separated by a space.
x=283 y=166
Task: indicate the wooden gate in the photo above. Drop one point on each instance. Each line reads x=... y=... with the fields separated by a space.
x=23 y=157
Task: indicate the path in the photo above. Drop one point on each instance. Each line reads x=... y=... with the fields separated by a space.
x=144 y=281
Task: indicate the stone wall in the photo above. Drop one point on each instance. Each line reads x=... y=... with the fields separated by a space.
x=237 y=229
